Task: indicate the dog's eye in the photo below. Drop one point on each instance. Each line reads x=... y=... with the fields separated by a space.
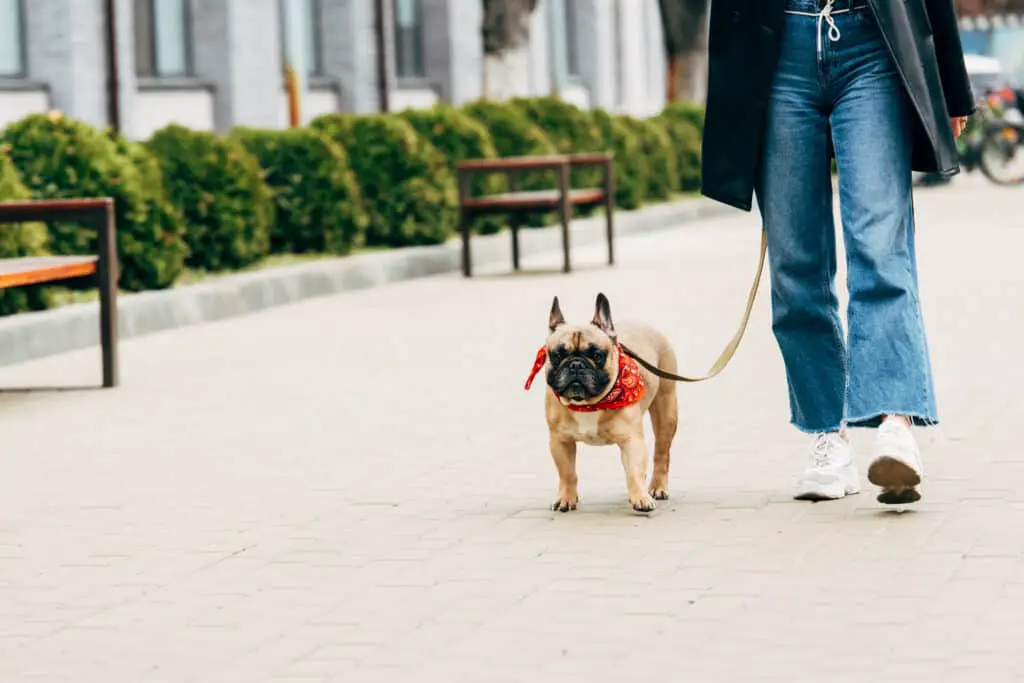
x=556 y=355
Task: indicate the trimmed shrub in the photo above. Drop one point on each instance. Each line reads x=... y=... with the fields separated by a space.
x=319 y=208
x=63 y=158
x=218 y=187
x=630 y=164
x=20 y=239
x=569 y=128
x=511 y=129
x=165 y=220
x=460 y=137
x=686 y=111
x=515 y=135
x=409 y=192
x=686 y=147
x=656 y=146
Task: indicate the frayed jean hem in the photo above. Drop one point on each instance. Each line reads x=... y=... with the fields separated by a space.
x=868 y=422
x=816 y=430
x=874 y=420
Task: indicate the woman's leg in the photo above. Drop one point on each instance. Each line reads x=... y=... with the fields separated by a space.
x=889 y=367
x=795 y=199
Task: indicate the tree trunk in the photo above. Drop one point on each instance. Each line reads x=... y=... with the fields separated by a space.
x=672 y=91
x=683 y=29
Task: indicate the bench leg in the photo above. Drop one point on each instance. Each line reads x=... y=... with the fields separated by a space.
x=107 y=281
x=515 y=219
x=609 y=208
x=464 y=225
x=514 y=225
x=565 y=214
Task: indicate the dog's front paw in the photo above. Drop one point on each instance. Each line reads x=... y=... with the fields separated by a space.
x=565 y=502
x=658 y=493
x=643 y=503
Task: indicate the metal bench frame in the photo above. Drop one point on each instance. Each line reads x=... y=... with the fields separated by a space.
x=15 y=272
x=515 y=203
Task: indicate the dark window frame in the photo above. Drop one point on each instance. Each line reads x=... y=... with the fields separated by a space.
x=572 y=36
x=149 y=68
x=414 y=68
x=22 y=30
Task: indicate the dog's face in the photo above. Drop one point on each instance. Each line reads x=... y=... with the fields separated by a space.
x=582 y=358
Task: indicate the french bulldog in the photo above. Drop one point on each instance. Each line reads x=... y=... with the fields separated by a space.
x=598 y=395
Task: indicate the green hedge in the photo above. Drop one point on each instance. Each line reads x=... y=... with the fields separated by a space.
x=319 y=208
x=684 y=122
x=410 y=193
x=631 y=168
x=570 y=130
x=657 y=148
x=511 y=130
x=686 y=145
x=165 y=220
x=218 y=187
x=62 y=158
x=216 y=202
x=20 y=239
x=460 y=137
x=514 y=135
x=687 y=111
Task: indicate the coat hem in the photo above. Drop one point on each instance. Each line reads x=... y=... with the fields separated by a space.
x=728 y=201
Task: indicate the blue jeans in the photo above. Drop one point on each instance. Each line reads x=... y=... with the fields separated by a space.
x=850 y=87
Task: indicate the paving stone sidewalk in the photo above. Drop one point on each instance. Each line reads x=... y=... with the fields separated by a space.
x=356 y=489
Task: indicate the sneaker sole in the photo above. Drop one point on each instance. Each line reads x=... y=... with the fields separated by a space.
x=820 y=493
x=897 y=480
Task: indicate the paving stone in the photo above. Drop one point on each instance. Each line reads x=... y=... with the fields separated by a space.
x=355 y=488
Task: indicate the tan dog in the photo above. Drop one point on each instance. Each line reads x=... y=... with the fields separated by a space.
x=597 y=395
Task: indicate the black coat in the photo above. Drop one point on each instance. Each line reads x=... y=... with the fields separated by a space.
x=743 y=49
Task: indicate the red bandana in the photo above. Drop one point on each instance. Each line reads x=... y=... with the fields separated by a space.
x=628 y=388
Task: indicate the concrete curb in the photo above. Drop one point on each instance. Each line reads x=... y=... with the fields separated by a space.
x=35 y=335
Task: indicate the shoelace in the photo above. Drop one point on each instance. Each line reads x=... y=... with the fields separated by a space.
x=822 y=449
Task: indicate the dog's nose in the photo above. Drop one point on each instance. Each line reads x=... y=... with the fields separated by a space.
x=576 y=365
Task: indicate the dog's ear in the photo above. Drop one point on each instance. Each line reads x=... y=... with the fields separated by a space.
x=555 y=318
x=603 y=315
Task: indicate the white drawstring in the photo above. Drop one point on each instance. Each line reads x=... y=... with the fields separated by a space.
x=833 y=30
x=825 y=15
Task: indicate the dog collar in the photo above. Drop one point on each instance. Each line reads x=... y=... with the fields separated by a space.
x=627 y=390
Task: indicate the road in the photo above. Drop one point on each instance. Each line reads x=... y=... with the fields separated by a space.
x=355 y=489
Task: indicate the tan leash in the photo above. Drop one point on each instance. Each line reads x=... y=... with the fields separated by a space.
x=730 y=348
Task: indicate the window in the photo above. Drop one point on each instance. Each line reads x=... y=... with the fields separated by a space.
x=309 y=20
x=572 y=32
x=12 y=46
x=162 y=39
x=409 y=39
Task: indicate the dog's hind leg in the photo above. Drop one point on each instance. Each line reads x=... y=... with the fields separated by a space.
x=664 y=420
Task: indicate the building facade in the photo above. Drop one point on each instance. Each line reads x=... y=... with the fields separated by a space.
x=215 y=64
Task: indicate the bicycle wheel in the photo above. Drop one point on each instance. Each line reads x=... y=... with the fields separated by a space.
x=1002 y=155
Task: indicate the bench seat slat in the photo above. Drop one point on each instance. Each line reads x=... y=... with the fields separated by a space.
x=31 y=270
x=540 y=199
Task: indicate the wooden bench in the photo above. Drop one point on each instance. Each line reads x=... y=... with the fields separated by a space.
x=517 y=203
x=32 y=270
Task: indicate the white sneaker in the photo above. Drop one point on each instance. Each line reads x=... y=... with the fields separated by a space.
x=831 y=472
x=897 y=465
